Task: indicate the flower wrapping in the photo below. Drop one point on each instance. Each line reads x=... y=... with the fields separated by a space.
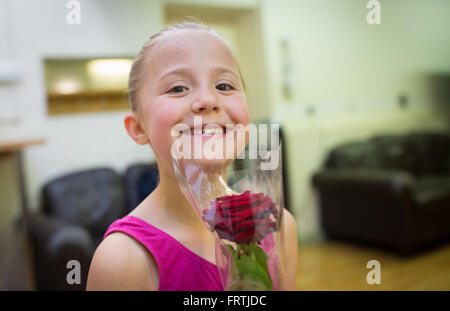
x=243 y=210
x=245 y=219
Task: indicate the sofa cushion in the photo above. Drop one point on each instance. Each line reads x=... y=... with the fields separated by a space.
x=421 y=154
x=92 y=198
x=432 y=152
x=395 y=152
x=354 y=155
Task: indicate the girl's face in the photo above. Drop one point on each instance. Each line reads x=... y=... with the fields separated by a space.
x=189 y=73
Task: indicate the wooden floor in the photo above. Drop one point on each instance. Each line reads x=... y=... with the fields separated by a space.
x=338 y=266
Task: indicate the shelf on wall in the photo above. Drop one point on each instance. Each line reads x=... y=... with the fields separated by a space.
x=76 y=85
x=92 y=101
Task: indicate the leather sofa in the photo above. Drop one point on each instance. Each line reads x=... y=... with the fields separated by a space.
x=75 y=212
x=392 y=191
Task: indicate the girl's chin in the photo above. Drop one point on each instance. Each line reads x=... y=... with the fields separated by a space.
x=208 y=165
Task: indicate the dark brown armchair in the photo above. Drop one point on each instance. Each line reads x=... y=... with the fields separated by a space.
x=391 y=191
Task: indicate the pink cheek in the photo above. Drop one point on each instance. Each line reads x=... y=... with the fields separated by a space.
x=239 y=113
x=161 y=124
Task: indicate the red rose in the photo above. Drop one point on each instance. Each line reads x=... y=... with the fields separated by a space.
x=242 y=218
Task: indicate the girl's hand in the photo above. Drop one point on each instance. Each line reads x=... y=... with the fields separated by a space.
x=291 y=252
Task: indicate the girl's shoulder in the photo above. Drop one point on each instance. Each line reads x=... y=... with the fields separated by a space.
x=122 y=263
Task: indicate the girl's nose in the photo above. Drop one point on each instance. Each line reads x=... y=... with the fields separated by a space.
x=205 y=101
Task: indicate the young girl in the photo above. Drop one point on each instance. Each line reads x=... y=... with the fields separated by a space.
x=183 y=71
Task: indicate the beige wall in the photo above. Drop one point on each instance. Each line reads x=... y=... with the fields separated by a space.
x=338 y=56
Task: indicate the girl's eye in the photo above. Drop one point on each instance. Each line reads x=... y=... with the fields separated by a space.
x=224 y=87
x=177 y=89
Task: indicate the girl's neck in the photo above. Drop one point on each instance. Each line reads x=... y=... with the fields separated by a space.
x=172 y=204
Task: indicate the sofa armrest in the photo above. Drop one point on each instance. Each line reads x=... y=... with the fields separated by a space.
x=55 y=243
x=397 y=182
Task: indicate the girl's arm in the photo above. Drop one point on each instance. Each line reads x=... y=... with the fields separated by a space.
x=291 y=252
x=122 y=263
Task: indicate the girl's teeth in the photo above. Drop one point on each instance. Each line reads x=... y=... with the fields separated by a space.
x=208 y=131
x=212 y=131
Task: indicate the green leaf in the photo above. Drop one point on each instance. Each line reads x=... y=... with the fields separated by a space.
x=261 y=256
x=250 y=268
x=232 y=252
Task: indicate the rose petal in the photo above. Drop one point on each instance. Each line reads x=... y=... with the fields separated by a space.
x=242 y=218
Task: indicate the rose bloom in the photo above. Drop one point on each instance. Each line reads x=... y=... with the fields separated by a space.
x=243 y=218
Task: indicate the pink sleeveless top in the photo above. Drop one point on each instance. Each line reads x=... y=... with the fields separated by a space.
x=179 y=268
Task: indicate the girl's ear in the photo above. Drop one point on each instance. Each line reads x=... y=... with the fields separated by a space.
x=135 y=130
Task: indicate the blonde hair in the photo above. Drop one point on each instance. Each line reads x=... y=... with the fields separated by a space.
x=137 y=69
